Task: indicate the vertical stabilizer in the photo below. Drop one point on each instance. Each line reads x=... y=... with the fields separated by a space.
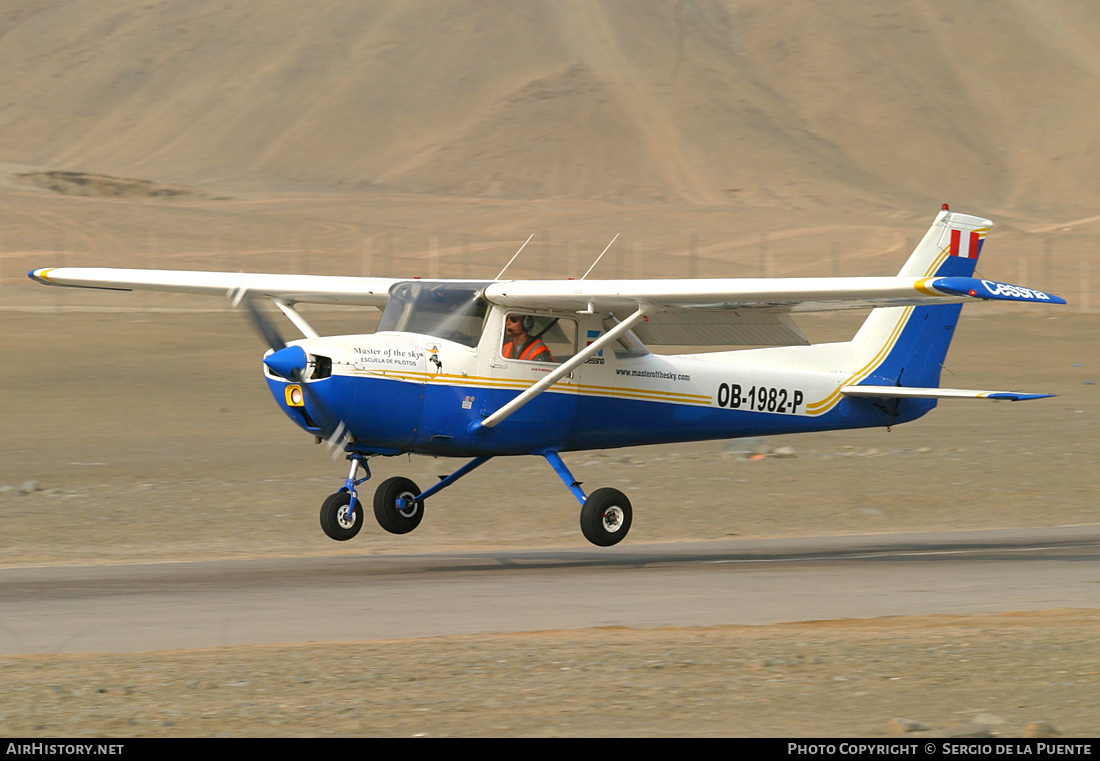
x=950 y=248
x=908 y=345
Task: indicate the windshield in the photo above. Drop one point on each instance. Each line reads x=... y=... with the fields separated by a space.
x=452 y=311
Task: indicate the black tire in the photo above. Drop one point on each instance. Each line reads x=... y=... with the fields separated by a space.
x=386 y=511
x=606 y=517
x=334 y=520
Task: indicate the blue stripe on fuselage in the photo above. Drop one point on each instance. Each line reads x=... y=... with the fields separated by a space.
x=390 y=415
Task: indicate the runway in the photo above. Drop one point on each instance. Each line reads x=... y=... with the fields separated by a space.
x=135 y=608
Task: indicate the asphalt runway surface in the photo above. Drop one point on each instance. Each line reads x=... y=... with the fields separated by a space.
x=132 y=608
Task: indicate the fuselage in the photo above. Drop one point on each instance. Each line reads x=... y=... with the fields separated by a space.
x=400 y=391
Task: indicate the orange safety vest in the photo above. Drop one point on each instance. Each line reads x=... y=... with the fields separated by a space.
x=532 y=351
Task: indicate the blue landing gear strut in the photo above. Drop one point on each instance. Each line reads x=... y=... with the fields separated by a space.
x=448 y=480
x=606 y=514
x=563 y=473
x=399 y=503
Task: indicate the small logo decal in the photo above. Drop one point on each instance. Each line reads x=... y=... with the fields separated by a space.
x=433 y=357
x=592 y=336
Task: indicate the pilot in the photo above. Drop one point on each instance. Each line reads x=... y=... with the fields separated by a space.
x=518 y=343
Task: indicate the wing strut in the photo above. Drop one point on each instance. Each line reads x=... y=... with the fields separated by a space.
x=567 y=367
x=296 y=317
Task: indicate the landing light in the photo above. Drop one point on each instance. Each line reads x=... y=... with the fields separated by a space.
x=294 y=396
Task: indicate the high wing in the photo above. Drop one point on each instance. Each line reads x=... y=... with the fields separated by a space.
x=755 y=310
x=726 y=311
x=807 y=294
x=289 y=289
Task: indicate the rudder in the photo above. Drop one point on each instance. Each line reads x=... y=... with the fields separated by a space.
x=908 y=345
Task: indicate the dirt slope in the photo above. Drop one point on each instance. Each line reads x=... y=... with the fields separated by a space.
x=758 y=103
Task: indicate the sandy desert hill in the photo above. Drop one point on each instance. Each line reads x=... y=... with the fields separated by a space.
x=797 y=104
x=271 y=135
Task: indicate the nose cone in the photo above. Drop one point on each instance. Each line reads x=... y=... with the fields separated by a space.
x=289 y=363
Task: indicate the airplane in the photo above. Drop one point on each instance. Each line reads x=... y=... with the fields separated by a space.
x=481 y=369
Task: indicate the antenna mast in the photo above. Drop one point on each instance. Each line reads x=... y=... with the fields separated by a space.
x=600 y=257
x=509 y=264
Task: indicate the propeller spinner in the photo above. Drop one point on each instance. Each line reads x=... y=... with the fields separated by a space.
x=289 y=362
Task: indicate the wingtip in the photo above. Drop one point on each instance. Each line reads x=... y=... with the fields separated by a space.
x=39 y=275
x=1020 y=397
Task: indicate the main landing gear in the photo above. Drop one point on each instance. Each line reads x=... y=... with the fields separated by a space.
x=396 y=507
x=606 y=514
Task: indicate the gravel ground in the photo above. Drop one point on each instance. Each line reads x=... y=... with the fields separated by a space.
x=174 y=452
x=1005 y=676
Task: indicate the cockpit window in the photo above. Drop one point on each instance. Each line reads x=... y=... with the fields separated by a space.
x=451 y=311
x=537 y=338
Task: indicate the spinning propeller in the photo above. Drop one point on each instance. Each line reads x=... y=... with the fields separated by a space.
x=287 y=362
x=290 y=363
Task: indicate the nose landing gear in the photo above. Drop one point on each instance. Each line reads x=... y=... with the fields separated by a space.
x=341 y=514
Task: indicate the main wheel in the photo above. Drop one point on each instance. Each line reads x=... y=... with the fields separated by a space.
x=391 y=516
x=335 y=521
x=606 y=517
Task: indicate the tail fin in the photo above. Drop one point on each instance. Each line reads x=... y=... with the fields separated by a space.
x=950 y=248
x=907 y=345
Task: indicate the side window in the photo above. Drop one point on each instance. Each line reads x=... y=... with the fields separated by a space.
x=538 y=339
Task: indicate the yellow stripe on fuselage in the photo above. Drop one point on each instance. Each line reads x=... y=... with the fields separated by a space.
x=517 y=384
x=828 y=402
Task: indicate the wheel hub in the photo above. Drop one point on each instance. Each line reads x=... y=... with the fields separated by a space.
x=406 y=506
x=343 y=518
x=612 y=519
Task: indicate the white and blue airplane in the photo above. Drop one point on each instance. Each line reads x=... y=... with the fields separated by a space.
x=480 y=369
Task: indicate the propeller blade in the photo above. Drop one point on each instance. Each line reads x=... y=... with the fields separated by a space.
x=266 y=327
x=338 y=440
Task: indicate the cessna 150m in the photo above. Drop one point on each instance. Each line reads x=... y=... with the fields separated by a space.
x=539 y=367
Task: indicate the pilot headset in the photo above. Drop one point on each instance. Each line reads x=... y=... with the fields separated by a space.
x=527 y=320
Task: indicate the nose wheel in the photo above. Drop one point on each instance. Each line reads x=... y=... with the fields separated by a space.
x=338 y=520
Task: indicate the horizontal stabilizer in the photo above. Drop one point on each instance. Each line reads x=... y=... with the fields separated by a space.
x=977 y=288
x=898 y=392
